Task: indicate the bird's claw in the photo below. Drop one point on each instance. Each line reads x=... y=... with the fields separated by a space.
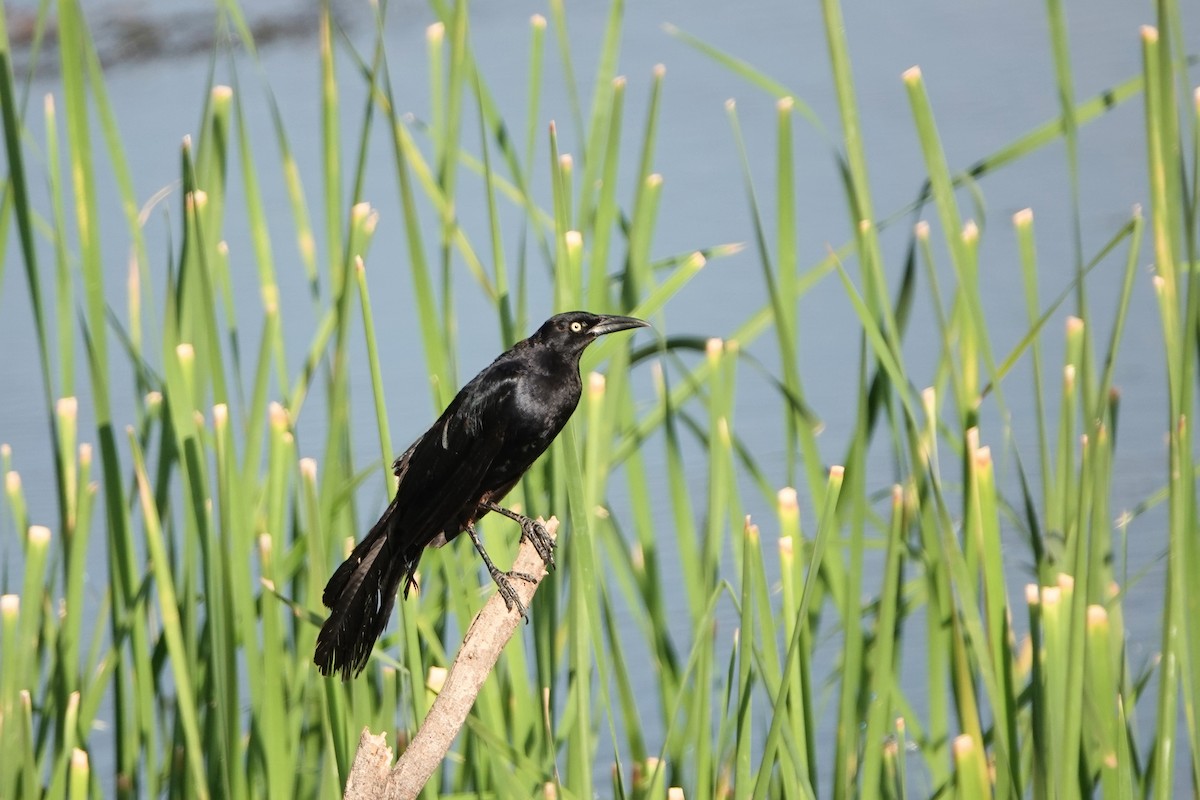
x=504 y=586
x=542 y=541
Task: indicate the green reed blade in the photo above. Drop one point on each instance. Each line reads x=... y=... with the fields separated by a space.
x=504 y=301
x=600 y=126
x=606 y=210
x=881 y=660
x=827 y=525
x=168 y=610
x=558 y=15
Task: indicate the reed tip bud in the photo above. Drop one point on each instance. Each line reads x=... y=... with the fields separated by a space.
x=637 y=558
x=983 y=457
x=436 y=679
x=970 y=232
x=67 y=407
x=39 y=535
x=153 y=401
x=964 y=745
x=277 y=414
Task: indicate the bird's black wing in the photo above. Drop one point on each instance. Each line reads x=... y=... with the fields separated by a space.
x=444 y=472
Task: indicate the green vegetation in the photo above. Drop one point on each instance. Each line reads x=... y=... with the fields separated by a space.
x=218 y=537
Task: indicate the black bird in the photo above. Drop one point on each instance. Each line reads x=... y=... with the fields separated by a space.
x=457 y=471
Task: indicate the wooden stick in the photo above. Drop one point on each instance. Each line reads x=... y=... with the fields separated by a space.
x=491 y=629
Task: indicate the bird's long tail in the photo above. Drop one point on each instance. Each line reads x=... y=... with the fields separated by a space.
x=361 y=594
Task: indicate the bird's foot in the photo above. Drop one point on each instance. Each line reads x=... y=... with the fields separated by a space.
x=531 y=529
x=504 y=585
x=541 y=539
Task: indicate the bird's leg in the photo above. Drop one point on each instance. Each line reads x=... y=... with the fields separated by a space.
x=410 y=582
x=503 y=585
x=531 y=529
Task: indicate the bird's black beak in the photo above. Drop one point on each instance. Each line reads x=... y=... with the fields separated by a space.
x=611 y=323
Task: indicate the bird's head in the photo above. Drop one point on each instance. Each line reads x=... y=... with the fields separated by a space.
x=575 y=330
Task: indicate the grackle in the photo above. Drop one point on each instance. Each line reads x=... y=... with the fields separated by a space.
x=457 y=471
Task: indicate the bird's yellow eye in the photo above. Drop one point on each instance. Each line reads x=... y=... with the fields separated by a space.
x=576 y=326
